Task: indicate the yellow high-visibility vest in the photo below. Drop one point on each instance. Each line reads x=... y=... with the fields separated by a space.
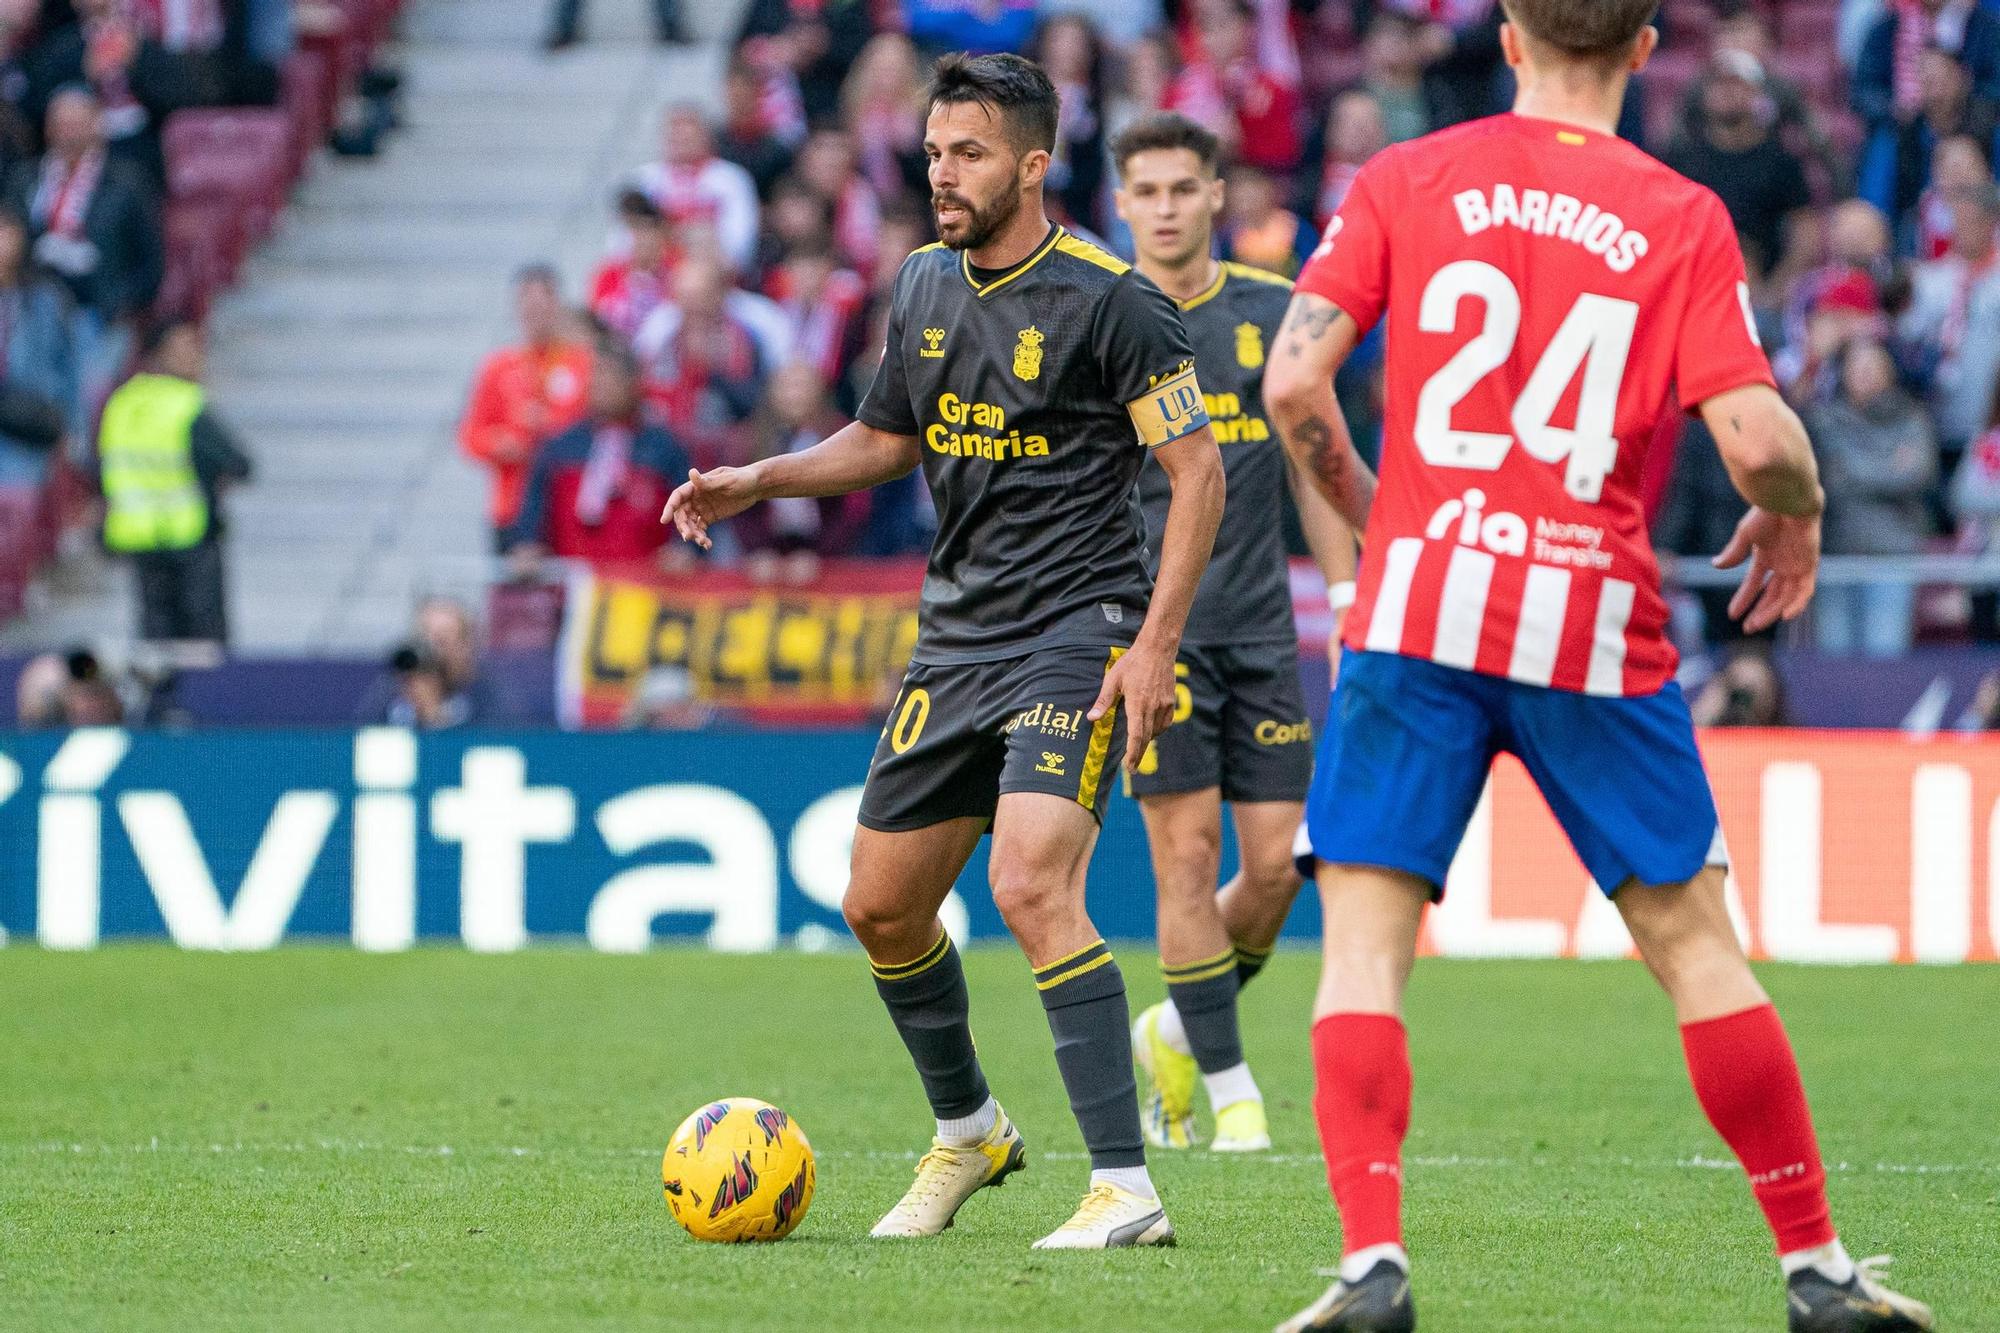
x=153 y=499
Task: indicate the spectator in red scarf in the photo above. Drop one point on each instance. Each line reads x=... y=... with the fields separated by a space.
x=1958 y=164
x=755 y=135
x=786 y=538
x=882 y=106
x=1240 y=87
x=138 y=81
x=819 y=40
x=829 y=163
x=822 y=302
x=704 y=367
x=95 y=227
x=1068 y=47
x=597 y=489
x=525 y=393
x=691 y=184
x=628 y=288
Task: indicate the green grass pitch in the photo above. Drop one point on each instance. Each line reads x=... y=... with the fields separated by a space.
x=316 y=1139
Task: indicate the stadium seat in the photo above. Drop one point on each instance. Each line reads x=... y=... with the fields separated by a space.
x=240 y=156
x=307 y=97
x=21 y=543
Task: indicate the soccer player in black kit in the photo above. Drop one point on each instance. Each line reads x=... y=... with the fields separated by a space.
x=1030 y=374
x=1239 y=732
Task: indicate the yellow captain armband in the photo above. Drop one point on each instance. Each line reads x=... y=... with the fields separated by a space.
x=1171 y=408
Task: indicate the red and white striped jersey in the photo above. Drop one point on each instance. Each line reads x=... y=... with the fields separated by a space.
x=1545 y=289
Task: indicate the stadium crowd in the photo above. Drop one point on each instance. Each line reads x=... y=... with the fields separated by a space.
x=86 y=87
x=747 y=271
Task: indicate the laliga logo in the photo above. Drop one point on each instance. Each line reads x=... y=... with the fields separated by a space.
x=1501 y=533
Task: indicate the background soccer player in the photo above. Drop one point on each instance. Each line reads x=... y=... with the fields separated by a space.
x=1020 y=363
x=1240 y=731
x=1545 y=286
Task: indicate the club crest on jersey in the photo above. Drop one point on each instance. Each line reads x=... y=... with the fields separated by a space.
x=1249 y=346
x=1028 y=354
x=933 y=343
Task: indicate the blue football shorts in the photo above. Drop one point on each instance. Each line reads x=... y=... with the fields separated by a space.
x=1409 y=744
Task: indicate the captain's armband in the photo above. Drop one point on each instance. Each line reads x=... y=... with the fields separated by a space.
x=1169 y=409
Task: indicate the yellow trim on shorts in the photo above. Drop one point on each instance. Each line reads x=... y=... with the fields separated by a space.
x=1100 y=745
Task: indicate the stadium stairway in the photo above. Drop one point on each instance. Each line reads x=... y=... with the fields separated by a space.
x=344 y=354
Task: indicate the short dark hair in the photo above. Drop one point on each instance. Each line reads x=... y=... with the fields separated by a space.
x=157 y=333
x=1165 y=129
x=1010 y=86
x=638 y=205
x=1586 y=29
x=540 y=273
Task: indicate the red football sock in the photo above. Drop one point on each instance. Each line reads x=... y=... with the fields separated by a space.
x=1362 y=1103
x=1748 y=1083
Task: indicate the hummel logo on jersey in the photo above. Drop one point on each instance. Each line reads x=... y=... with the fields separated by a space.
x=933 y=343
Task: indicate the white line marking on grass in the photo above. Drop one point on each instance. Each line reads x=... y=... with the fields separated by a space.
x=1429 y=1162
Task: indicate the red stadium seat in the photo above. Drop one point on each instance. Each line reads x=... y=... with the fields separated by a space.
x=241 y=156
x=308 y=99
x=21 y=543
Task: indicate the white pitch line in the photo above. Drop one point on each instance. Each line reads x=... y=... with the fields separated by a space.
x=1458 y=1161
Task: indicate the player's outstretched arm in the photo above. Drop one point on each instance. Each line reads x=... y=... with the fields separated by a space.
x=1770 y=460
x=1144 y=675
x=1316 y=337
x=851 y=459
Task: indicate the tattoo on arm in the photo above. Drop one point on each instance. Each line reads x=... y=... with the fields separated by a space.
x=1307 y=320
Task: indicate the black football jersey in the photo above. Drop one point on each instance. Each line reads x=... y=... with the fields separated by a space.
x=1033 y=394
x=1246 y=594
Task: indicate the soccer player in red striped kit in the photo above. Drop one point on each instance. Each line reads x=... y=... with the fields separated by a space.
x=1546 y=287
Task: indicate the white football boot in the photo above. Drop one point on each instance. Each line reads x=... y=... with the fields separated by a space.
x=1110 y=1218
x=948 y=1176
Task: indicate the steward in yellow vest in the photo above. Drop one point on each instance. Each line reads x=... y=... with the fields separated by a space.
x=161 y=456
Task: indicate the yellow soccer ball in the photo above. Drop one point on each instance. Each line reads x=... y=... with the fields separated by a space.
x=738 y=1170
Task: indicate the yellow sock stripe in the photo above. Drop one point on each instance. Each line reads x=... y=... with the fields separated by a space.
x=1100 y=745
x=1069 y=957
x=1255 y=955
x=1073 y=973
x=1172 y=971
x=930 y=958
x=1223 y=968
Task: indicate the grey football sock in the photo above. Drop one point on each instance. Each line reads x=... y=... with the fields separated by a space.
x=1204 y=994
x=928 y=1002
x=1084 y=995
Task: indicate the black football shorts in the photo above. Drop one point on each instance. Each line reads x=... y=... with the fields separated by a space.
x=1239 y=724
x=962 y=733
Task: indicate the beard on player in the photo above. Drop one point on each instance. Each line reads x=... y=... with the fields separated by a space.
x=965 y=225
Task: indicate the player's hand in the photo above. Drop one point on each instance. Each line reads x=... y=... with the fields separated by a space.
x=1333 y=645
x=709 y=497
x=1143 y=677
x=1784 y=565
